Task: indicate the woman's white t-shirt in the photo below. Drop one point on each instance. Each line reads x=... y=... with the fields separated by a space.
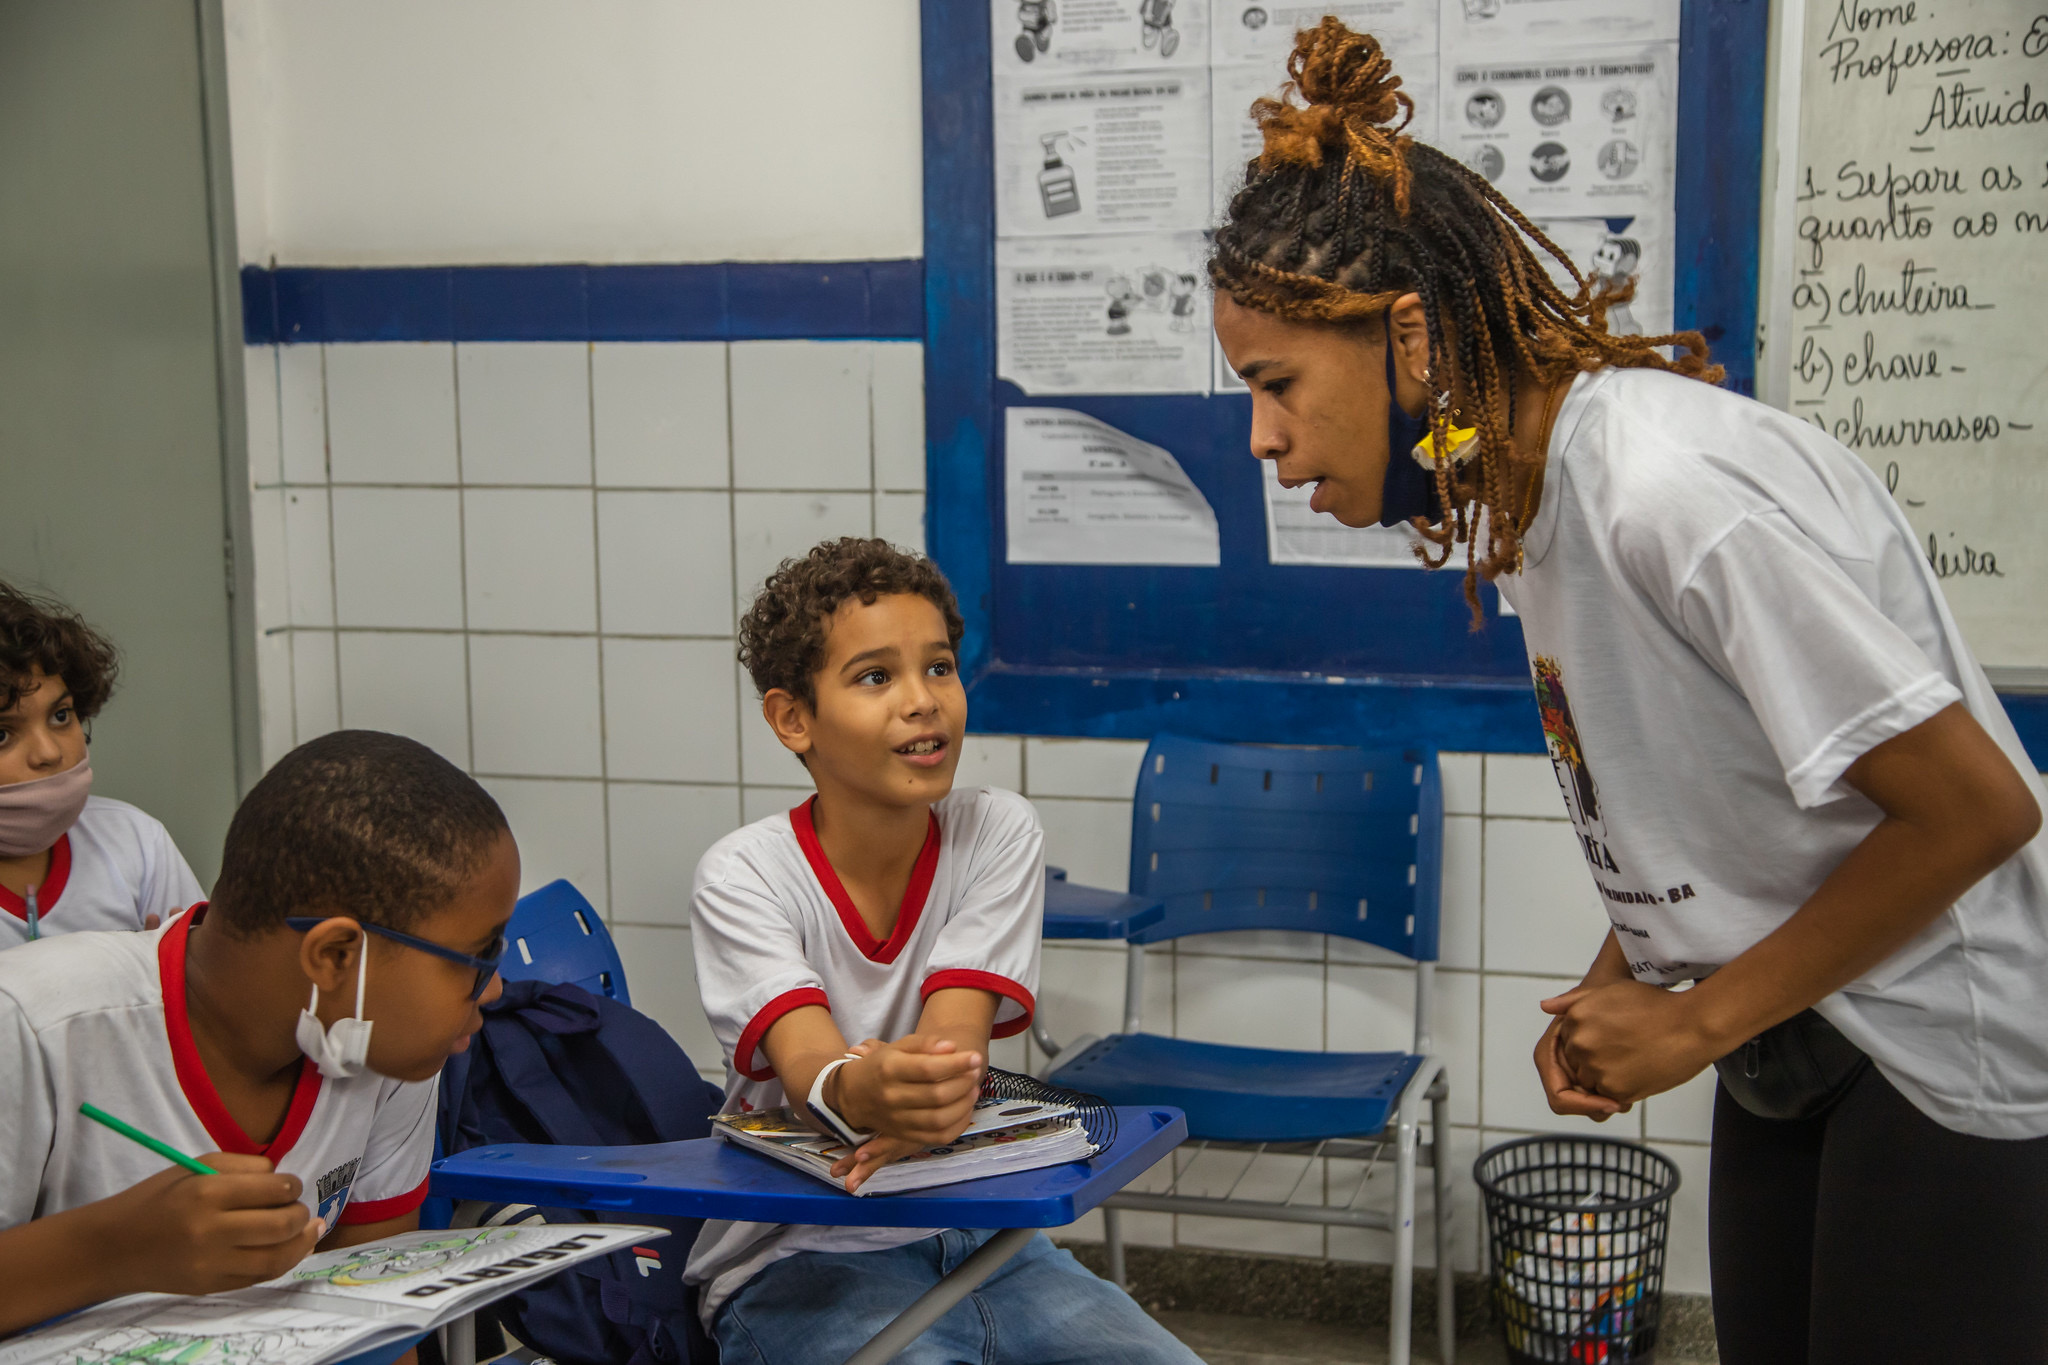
x=113 y=869
x=1724 y=609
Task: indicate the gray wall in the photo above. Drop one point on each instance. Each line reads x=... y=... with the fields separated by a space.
x=113 y=376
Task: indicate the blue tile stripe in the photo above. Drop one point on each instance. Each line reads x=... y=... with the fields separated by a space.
x=726 y=301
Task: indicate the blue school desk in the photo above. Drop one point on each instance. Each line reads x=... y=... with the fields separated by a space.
x=712 y=1178
x=387 y=1354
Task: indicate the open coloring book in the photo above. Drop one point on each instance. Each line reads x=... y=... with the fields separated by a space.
x=1003 y=1136
x=333 y=1305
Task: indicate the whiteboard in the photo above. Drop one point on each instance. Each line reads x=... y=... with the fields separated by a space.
x=1910 y=285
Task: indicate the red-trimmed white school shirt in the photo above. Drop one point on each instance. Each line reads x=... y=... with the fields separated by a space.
x=113 y=869
x=773 y=930
x=101 y=1018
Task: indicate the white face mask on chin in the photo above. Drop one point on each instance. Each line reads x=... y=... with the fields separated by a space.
x=343 y=1050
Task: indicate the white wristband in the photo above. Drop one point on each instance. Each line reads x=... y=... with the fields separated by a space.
x=826 y=1114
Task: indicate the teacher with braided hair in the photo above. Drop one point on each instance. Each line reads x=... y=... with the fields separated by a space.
x=1799 y=794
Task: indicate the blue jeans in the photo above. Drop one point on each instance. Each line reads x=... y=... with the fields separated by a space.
x=1042 y=1308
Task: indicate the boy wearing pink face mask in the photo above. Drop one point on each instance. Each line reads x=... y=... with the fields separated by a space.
x=69 y=860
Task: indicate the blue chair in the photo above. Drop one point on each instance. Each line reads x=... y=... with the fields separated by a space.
x=1336 y=841
x=556 y=935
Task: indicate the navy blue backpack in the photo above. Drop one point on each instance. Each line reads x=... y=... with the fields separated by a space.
x=556 y=1064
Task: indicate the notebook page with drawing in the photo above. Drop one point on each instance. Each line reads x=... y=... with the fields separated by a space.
x=331 y=1306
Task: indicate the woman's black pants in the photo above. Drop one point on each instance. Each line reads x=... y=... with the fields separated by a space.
x=1871 y=1235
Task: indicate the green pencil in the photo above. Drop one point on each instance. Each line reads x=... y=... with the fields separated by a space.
x=162 y=1149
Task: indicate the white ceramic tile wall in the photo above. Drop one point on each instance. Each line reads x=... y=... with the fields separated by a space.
x=555 y=607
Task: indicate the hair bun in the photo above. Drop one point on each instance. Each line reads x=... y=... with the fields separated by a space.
x=1350 y=73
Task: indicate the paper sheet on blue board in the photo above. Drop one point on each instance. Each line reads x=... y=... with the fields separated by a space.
x=1078 y=491
x=1127 y=313
x=1097 y=35
x=1566 y=132
x=1114 y=151
x=1297 y=535
x=1548 y=26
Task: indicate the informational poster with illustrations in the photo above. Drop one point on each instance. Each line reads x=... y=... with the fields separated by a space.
x=1235 y=139
x=1610 y=252
x=1573 y=135
x=1125 y=314
x=1297 y=535
x=1919 y=284
x=1262 y=31
x=1527 y=26
x=1081 y=492
x=1121 y=152
x=1097 y=35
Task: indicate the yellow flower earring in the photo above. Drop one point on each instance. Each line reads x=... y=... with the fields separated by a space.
x=1458 y=448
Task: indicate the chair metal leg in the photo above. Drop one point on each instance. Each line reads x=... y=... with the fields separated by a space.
x=910 y=1324
x=458 y=1341
x=1113 y=1239
x=458 y=1338
x=1401 y=1311
x=1446 y=1276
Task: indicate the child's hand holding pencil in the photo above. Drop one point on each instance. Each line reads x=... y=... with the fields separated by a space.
x=221 y=1221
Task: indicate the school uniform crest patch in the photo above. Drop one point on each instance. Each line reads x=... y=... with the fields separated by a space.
x=1561 y=738
x=333 y=1187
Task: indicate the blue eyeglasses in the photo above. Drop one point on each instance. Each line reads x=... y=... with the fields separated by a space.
x=486 y=966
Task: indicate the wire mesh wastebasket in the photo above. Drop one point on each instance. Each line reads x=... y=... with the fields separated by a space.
x=1577 y=1228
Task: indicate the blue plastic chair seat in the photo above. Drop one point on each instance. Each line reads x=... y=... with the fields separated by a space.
x=1246 y=1094
x=1074 y=911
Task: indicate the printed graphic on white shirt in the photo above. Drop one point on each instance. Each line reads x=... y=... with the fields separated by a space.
x=1574 y=773
x=333 y=1188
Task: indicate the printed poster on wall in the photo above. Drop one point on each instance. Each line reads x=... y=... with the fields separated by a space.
x=1122 y=314
x=1079 y=491
x=1572 y=135
x=1117 y=152
x=1611 y=252
x=1550 y=26
x=1295 y=534
x=1234 y=139
x=1097 y=35
x=1262 y=32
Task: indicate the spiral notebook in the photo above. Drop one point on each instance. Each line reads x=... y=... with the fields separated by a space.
x=1018 y=1124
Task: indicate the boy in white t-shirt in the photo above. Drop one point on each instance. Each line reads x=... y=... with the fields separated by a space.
x=893 y=910
x=291 y=1030
x=69 y=860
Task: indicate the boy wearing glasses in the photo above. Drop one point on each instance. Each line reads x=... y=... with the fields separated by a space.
x=290 y=1031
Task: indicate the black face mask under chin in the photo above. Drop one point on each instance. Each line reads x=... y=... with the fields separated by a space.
x=1409 y=490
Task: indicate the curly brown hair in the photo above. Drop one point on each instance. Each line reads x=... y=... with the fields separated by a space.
x=1342 y=214
x=40 y=633
x=782 y=636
